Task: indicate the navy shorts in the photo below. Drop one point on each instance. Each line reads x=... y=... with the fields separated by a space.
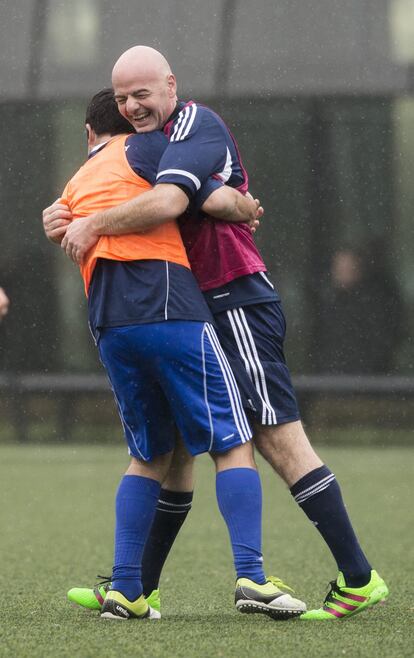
x=172 y=373
x=252 y=337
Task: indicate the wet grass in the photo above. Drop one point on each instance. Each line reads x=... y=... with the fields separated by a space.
x=56 y=520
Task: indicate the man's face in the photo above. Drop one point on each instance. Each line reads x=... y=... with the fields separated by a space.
x=147 y=102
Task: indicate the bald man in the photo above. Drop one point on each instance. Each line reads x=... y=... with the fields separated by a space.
x=246 y=307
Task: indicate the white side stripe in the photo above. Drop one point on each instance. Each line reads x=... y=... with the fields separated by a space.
x=263 y=275
x=181 y=172
x=227 y=171
x=239 y=345
x=210 y=420
x=232 y=388
x=125 y=425
x=248 y=352
x=253 y=366
x=168 y=290
x=271 y=411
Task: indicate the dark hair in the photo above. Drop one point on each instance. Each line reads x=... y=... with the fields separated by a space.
x=103 y=115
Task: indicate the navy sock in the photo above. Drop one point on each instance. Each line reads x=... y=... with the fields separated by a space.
x=319 y=495
x=239 y=496
x=135 y=505
x=172 y=510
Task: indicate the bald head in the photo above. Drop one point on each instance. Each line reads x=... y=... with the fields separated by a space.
x=145 y=88
x=141 y=61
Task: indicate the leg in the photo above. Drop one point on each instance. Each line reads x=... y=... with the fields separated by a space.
x=149 y=431
x=315 y=489
x=253 y=337
x=135 y=506
x=239 y=497
x=173 y=506
x=287 y=449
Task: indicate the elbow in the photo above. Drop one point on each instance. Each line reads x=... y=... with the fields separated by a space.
x=172 y=201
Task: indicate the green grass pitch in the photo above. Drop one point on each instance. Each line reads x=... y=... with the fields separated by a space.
x=56 y=530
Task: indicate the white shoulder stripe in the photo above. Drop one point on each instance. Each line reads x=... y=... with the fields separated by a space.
x=181 y=172
x=176 y=127
x=189 y=122
x=182 y=118
x=184 y=123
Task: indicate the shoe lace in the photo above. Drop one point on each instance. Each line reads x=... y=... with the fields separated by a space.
x=333 y=589
x=104 y=580
x=277 y=582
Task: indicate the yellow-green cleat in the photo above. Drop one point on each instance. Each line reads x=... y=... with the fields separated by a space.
x=270 y=599
x=93 y=598
x=117 y=606
x=154 y=600
x=90 y=598
x=343 y=602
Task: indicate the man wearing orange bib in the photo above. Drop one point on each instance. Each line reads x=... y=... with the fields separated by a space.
x=156 y=339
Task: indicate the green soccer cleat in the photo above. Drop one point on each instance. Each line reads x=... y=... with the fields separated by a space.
x=117 y=606
x=90 y=599
x=268 y=599
x=342 y=602
x=154 y=600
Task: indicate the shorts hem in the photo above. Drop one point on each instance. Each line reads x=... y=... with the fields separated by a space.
x=280 y=421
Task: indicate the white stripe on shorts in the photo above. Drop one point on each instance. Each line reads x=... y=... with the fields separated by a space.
x=239 y=414
x=125 y=425
x=248 y=351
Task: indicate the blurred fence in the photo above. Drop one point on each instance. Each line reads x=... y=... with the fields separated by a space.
x=60 y=402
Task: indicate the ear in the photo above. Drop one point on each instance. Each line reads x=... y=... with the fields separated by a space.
x=172 y=85
x=91 y=135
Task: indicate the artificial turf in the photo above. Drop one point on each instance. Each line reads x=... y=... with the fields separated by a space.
x=56 y=530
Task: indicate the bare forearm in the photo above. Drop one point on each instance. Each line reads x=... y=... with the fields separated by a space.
x=142 y=213
x=228 y=204
x=242 y=209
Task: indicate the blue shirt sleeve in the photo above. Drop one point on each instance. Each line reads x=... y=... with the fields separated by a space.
x=144 y=151
x=198 y=148
x=205 y=190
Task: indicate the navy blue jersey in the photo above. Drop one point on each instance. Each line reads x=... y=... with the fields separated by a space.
x=141 y=291
x=200 y=146
x=201 y=155
x=138 y=292
x=244 y=291
x=144 y=152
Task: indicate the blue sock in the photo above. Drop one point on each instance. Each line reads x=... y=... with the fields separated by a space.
x=135 y=504
x=239 y=497
x=319 y=495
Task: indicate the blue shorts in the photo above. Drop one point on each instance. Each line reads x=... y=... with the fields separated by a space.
x=252 y=338
x=172 y=373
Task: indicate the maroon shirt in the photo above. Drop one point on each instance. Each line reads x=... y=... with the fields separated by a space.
x=219 y=251
x=202 y=149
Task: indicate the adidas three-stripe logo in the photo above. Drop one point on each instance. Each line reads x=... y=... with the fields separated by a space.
x=184 y=122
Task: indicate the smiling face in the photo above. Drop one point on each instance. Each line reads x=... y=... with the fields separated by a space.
x=144 y=87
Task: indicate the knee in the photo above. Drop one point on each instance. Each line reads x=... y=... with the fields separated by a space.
x=239 y=457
